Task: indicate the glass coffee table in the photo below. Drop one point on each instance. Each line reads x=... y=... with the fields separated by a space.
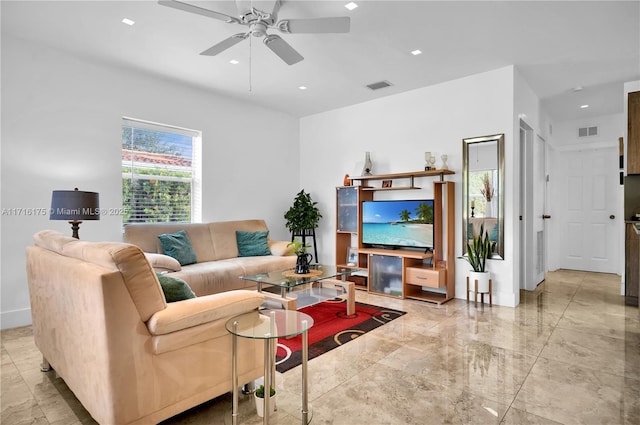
x=269 y=326
x=294 y=291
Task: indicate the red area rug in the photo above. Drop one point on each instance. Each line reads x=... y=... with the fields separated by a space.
x=332 y=328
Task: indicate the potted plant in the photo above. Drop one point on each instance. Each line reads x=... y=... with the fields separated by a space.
x=258 y=395
x=303 y=214
x=304 y=259
x=478 y=250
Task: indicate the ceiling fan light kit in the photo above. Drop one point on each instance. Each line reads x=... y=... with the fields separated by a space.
x=259 y=22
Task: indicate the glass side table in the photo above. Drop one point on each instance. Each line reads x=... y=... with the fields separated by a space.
x=269 y=325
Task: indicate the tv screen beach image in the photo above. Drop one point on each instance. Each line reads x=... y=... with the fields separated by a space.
x=406 y=223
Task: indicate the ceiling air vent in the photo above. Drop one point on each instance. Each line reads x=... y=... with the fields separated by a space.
x=379 y=85
x=588 y=131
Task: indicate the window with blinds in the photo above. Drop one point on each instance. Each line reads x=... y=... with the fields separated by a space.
x=160 y=173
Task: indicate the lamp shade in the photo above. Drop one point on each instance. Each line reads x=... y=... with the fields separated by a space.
x=74 y=205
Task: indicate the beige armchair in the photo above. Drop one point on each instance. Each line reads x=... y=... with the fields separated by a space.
x=101 y=321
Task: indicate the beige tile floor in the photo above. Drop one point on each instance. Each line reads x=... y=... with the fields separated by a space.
x=568 y=354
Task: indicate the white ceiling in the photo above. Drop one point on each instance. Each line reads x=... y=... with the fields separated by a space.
x=556 y=45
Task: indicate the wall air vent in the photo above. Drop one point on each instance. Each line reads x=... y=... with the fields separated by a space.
x=588 y=131
x=379 y=85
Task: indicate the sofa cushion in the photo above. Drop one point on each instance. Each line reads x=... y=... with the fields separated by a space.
x=162 y=263
x=223 y=236
x=174 y=288
x=252 y=244
x=280 y=248
x=178 y=246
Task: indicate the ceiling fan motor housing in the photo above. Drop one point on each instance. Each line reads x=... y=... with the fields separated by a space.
x=258 y=29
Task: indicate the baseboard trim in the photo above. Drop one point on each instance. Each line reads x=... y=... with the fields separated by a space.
x=15 y=318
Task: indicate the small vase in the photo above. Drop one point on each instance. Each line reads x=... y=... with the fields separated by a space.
x=368 y=166
x=489 y=209
x=302 y=263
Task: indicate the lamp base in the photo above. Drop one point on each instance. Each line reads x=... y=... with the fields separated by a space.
x=75 y=226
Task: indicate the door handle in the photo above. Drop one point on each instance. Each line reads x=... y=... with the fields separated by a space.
x=545 y=216
x=612 y=216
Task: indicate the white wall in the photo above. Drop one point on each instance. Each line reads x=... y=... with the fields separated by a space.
x=397 y=130
x=61 y=127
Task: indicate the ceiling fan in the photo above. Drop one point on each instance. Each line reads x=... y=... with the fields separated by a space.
x=259 y=21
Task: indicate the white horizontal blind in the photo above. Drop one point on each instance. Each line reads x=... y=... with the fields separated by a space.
x=158 y=172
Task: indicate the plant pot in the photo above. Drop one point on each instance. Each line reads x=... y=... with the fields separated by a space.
x=482 y=278
x=260 y=404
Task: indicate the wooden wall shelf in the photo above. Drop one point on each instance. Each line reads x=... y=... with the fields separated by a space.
x=399 y=176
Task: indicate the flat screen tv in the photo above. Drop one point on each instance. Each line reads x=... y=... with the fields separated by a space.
x=398 y=224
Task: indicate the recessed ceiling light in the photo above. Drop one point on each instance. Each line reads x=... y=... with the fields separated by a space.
x=128 y=21
x=416 y=52
x=584 y=106
x=234 y=62
x=351 y=6
x=302 y=87
x=577 y=88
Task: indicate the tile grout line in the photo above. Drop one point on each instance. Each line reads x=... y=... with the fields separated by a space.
x=555 y=326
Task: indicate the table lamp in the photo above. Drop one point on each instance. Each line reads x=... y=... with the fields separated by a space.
x=75 y=206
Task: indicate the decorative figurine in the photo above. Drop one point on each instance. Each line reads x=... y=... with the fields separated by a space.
x=366 y=171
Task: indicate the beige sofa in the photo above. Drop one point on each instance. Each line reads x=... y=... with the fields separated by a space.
x=101 y=321
x=218 y=268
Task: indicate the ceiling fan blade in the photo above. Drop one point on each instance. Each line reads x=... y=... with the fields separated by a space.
x=225 y=44
x=315 y=26
x=282 y=49
x=186 y=7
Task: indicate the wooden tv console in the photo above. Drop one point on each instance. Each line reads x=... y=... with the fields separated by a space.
x=394 y=272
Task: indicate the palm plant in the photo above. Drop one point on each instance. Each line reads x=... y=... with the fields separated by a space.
x=405 y=215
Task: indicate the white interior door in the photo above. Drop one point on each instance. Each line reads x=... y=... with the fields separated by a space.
x=539 y=207
x=589 y=211
x=532 y=173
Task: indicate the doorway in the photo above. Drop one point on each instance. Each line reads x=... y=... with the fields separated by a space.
x=533 y=204
x=588 y=209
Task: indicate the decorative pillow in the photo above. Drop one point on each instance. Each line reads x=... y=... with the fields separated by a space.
x=161 y=262
x=174 y=289
x=178 y=246
x=252 y=244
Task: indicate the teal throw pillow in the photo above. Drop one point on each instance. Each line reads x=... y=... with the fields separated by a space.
x=178 y=246
x=252 y=244
x=175 y=289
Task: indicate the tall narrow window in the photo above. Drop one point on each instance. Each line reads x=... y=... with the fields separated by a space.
x=160 y=173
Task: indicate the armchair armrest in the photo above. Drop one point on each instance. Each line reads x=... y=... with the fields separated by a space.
x=197 y=311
